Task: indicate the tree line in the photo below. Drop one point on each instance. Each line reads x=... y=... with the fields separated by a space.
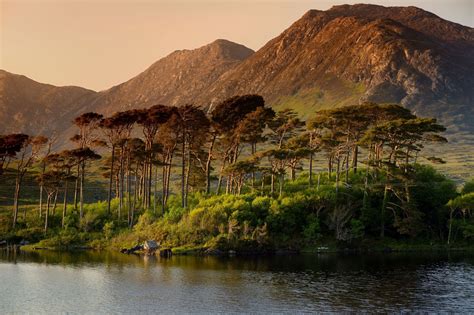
x=238 y=145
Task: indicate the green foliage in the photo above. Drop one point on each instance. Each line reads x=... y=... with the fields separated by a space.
x=468 y=230
x=468 y=187
x=357 y=228
x=365 y=181
x=146 y=219
x=32 y=234
x=312 y=230
x=108 y=230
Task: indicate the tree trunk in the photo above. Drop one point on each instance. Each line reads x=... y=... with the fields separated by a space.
x=117 y=184
x=329 y=167
x=55 y=201
x=282 y=179
x=155 y=188
x=168 y=177
x=164 y=176
x=208 y=177
x=338 y=168
x=81 y=192
x=254 y=149
x=347 y=167
x=355 y=157
x=141 y=183
x=64 y=204
x=150 y=176
x=135 y=193
x=311 y=169
x=129 y=186
x=208 y=165
x=382 y=214
x=144 y=183
x=121 y=172
x=46 y=218
x=228 y=184
x=76 y=186
x=272 y=184
x=109 y=196
x=219 y=182
x=15 y=201
x=450 y=225
x=366 y=184
x=183 y=171
x=188 y=172
x=41 y=201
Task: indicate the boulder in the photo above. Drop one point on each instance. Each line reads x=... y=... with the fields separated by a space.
x=150 y=246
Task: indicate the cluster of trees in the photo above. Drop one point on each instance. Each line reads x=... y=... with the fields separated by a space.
x=237 y=146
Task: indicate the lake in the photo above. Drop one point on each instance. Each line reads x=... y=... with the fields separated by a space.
x=108 y=282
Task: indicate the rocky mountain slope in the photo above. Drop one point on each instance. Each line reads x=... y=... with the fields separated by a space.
x=177 y=79
x=345 y=55
x=350 y=54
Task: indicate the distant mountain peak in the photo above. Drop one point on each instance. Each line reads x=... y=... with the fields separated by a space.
x=176 y=79
x=228 y=49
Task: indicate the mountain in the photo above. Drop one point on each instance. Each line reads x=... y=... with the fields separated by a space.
x=351 y=54
x=177 y=79
x=35 y=108
x=345 y=55
x=31 y=107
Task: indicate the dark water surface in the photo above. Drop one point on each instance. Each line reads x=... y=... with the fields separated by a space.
x=93 y=282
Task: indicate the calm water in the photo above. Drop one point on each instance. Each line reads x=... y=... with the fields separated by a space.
x=90 y=282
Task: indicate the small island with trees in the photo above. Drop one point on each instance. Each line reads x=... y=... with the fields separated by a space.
x=238 y=177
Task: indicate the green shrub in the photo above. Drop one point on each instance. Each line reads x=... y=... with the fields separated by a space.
x=312 y=230
x=145 y=219
x=32 y=235
x=357 y=228
x=468 y=230
x=108 y=230
x=468 y=187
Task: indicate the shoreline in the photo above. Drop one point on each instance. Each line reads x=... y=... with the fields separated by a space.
x=205 y=251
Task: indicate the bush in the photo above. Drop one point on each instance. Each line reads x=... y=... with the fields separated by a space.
x=357 y=228
x=174 y=214
x=312 y=230
x=468 y=187
x=468 y=230
x=108 y=230
x=31 y=235
x=144 y=220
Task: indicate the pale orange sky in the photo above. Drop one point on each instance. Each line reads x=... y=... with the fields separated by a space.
x=101 y=43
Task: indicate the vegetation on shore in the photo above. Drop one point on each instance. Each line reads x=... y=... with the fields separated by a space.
x=240 y=177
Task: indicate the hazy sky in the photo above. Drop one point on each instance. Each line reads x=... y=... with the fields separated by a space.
x=101 y=43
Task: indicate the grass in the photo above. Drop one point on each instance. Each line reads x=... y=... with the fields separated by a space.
x=459 y=159
x=333 y=93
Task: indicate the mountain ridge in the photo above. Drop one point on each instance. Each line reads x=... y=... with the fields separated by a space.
x=345 y=55
x=174 y=79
